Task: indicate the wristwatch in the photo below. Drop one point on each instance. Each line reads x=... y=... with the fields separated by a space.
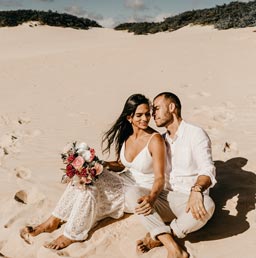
x=197 y=188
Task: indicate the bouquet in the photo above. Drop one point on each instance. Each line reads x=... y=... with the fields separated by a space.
x=83 y=167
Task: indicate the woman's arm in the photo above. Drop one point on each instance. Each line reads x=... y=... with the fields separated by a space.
x=115 y=166
x=158 y=152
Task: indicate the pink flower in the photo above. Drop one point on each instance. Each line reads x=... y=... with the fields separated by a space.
x=99 y=168
x=78 y=162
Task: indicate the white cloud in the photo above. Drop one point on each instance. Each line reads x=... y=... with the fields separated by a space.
x=160 y=17
x=75 y=10
x=94 y=16
x=108 y=22
x=135 y=4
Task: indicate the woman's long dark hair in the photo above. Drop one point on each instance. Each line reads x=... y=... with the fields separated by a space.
x=122 y=128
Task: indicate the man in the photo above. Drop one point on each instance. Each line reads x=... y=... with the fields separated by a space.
x=191 y=174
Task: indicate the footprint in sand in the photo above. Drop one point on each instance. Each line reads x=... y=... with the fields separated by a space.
x=7 y=140
x=63 y=253
x=24 y=120
x=30 y=196
x=23 y=173
x=200 y=94
x=33 y=133
x=185 y=85
x=21 y=196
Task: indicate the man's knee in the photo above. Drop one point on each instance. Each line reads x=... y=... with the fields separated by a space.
x=209 y=206
x=185 y=223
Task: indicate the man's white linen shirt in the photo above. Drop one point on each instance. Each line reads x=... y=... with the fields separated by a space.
x=188 y=156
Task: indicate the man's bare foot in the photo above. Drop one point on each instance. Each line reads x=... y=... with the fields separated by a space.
x=51 y=224
x=60 y=243
x=147 y=243
x=174 y=250
x=178 y=254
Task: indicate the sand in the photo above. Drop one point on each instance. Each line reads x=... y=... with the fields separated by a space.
x=60 y=85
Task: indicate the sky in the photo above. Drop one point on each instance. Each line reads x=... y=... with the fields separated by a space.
x=110 y=13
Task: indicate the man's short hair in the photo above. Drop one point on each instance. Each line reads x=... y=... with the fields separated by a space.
x=173 y=98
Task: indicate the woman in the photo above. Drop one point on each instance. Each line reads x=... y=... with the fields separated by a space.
x=139 y=148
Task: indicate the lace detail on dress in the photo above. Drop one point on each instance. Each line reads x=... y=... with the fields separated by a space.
x=82 y=209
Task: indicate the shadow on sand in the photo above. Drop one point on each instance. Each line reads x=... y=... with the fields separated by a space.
x=233 y=181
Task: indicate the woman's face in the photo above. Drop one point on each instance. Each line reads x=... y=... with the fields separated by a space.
x=141 y=117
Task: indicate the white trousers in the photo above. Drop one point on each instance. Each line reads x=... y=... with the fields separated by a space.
x=169 y=208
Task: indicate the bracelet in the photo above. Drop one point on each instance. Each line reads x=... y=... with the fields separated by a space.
x=196 y=188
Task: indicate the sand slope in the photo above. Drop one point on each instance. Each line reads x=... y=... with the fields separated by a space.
x=60 y=85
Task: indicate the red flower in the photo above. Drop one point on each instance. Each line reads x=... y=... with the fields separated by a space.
x=93 y=172
x=84 y=172
x=71 y=158
x=70 y=171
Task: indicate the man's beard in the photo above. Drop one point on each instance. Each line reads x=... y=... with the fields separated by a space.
x=165 y=122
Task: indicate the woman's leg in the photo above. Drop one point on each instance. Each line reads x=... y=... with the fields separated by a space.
x=82 y=218
x=60 y=214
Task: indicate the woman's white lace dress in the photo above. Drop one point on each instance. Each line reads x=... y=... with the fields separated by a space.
x=82 y=209
x=110 y=196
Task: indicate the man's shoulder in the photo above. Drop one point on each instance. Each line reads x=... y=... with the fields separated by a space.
x=192 y=126
x=194 y=129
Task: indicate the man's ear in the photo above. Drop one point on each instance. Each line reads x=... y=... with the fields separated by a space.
x=172 y=107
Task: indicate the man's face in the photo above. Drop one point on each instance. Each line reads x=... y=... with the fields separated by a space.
x=161 y=113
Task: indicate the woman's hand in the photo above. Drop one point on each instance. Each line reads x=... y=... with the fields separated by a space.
x=145 y=205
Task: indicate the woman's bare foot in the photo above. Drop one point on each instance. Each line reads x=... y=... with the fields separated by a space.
x=60 y=243
x=51 y=224
x=147 y=243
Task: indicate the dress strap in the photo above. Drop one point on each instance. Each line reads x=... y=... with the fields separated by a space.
x=151 y=138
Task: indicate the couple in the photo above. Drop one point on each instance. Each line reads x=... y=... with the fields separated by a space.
x=166 y=181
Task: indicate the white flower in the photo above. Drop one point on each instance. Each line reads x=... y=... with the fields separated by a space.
x=86 y=154
x=82 y=146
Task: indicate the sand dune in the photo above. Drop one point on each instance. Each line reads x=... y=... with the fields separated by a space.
x=60 y=85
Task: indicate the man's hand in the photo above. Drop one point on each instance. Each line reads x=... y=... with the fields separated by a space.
x=196 y=205
x=145 y=205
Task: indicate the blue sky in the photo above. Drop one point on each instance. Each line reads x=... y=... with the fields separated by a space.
x=109 y=13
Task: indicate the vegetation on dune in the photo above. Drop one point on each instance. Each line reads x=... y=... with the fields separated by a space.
x=232 y=15
x=17 y=17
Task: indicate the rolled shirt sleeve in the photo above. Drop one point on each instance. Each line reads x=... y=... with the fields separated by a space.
x=202 y=155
